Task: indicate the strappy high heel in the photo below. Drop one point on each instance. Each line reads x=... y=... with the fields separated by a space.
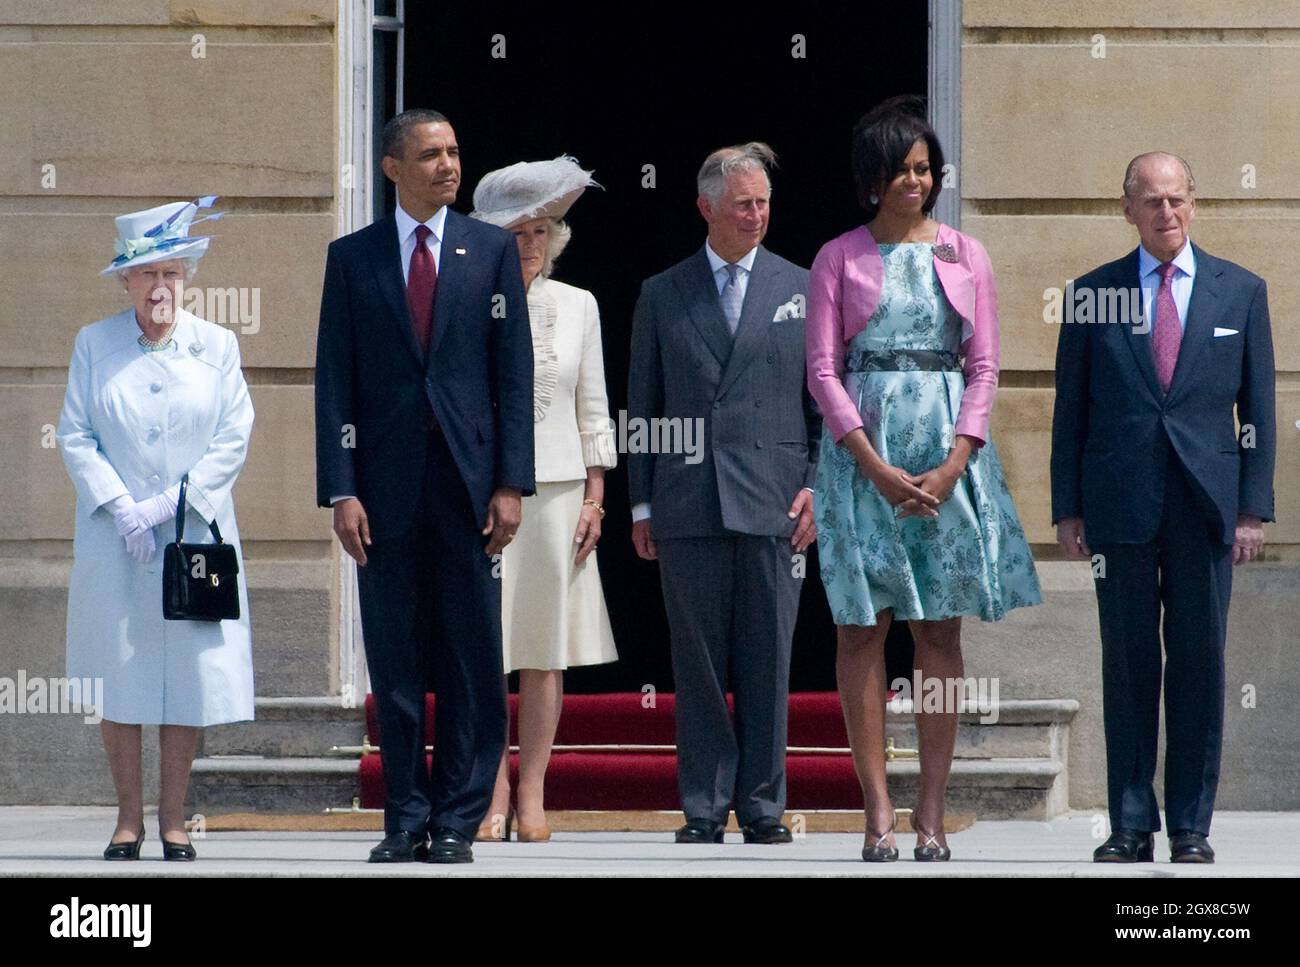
x=876 y=853
x=930 y=851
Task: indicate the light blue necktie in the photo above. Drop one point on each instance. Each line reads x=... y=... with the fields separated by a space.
x=731 y=297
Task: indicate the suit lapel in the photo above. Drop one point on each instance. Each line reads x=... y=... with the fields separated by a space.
x=1202 y=309
x=451 y=269
x=700 y=295
x=752 y=326
x=386 y=257
x=1139 y=342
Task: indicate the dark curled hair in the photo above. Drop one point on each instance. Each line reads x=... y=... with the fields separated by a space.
x=881 y=140
x=393 y=140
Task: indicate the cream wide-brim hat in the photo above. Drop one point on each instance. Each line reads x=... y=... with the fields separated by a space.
x=530 y=189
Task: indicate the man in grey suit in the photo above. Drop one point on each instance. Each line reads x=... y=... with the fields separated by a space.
x=718 y=347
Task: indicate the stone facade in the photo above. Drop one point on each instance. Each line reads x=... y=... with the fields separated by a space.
x=242 y=103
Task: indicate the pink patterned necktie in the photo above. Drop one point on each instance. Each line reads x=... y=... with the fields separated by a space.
x=421 y=287
x=1167 y=334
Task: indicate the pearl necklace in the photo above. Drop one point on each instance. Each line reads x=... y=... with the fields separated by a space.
x=153 y=346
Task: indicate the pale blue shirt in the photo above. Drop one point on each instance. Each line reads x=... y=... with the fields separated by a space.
x=1181 y=284
x=719 y=266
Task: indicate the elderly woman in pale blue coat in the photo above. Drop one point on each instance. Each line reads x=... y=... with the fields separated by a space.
x=154 y=392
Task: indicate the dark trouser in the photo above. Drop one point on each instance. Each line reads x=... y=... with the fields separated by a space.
x=732 y=603
x=1186 y=573
x=431 y=614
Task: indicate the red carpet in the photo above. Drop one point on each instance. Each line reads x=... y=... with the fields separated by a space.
x=630 y=779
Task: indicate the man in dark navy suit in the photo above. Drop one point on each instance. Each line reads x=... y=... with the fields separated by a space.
x=424 y=448
x=1151 y=474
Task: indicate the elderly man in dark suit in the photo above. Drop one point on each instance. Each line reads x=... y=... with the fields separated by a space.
x=1150 y=473
x=717 y=344
x=424 y=448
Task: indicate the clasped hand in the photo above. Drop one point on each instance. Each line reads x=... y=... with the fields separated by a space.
x=136 y=520
x=916 y=495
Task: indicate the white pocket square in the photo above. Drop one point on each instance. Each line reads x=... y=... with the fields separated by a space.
x=1224 y=332
x=789 y=310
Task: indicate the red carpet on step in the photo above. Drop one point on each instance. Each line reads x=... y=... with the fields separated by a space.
x=622 y=778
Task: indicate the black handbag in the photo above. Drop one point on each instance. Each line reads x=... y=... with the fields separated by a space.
x=200 y=581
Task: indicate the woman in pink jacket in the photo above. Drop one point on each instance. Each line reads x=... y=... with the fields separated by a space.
x=914 y=519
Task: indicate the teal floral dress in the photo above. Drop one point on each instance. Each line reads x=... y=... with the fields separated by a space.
x=904 y=371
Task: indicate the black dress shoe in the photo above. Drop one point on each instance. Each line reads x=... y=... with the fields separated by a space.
x=130 y=850
x=448 y=846
x=177 y=851
x=402 y=846
x=701 y=831
x=1189 y=846
x=1126 y=846
x=766 y=830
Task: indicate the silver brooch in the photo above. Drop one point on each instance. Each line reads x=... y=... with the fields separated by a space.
x=196 y=348
x=944 y=252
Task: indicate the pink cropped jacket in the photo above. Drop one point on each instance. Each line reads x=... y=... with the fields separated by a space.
x=844 y=290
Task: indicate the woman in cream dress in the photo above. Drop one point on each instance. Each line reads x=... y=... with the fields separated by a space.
x=553 y=613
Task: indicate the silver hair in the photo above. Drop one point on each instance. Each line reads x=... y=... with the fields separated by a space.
x=1130 y=173
x=556 y=240
x=191 y=265
x=721 y=164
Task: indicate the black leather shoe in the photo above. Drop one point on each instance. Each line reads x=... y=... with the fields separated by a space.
x=130 y=850
x=1126 y=846
x=448 y=846
x=766 y=830
x=1189 y=846
x=177 y=851
x=402 y=846
x=701 y=831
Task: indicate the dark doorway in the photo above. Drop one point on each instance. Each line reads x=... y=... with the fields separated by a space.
x=627 y=87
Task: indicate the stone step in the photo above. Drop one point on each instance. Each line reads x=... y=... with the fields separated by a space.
x=289 y=727
x=1036 y=728
x=302 y=784
x=991 y=789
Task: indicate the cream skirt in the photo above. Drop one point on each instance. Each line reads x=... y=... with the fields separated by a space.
x=553 y=612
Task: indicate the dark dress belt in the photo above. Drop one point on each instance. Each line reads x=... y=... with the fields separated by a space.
x=902 y=361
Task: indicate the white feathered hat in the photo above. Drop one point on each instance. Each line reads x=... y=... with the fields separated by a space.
x=159 y=234
x=530 y=189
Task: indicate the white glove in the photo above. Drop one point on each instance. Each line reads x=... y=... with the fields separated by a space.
x=118 y=504
x=148 y=513
x=140 y=545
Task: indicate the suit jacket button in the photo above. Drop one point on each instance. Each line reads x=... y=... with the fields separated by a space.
x=758 y=444
x=771 y=357
x=758 y=402
x=717 y=405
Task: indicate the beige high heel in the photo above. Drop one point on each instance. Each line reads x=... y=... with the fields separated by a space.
x=487 y=832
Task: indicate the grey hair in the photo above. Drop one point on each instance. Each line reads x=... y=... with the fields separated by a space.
x=556 y=240
x=190 y=266
x=725 y=162
x=1130 y=173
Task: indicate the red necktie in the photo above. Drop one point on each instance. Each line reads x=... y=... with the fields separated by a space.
x=421 y=287
x=1167 y=335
